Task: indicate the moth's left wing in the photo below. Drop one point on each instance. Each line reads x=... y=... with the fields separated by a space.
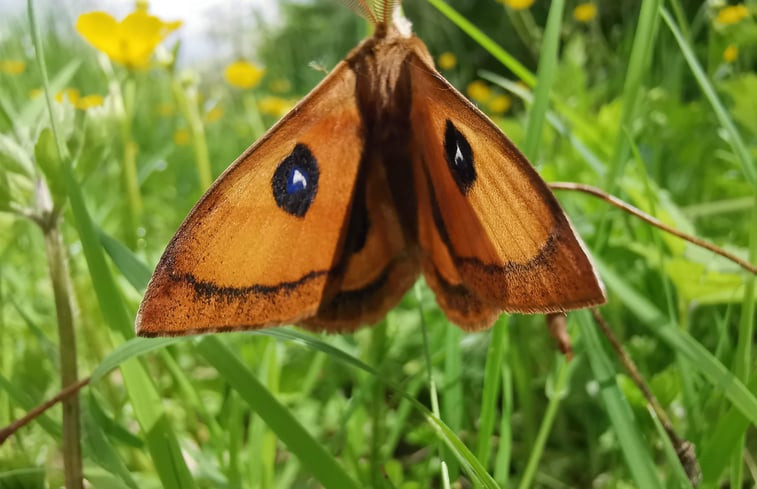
x=264 y=245
x=507 y=241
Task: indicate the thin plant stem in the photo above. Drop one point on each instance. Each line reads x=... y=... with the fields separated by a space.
x=377 y=392
x=743 y=356
x=130 y=175
x=257 y=126
x=558 y=390
x=64 y=307
x=272 y=375
x=62 y=290
x=492 y=367
x=186 y=99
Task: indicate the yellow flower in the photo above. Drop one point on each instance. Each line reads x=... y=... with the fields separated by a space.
x=12 y=66
x=280 y=85
x=585 y=12
x=517 y=4
x=70 y=94
x=129 y=42
x=732 y=14
x=275 y=106
x=731 y=53
x=447 y=61
x=499 y=104
x=74 y=98
x=479 y=91
x=213 y=114
x=181 y=137
x=242 y=74
x=35 y=92
x=89 y=101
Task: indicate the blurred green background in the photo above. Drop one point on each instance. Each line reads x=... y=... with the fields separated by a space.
x=653 y=101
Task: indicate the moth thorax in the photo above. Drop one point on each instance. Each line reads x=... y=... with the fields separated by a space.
x=383 y=82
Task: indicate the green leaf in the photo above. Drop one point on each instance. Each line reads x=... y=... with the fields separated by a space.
x=129 y=350
x=716 y=450
x=14 y=158
x=5 y=192
x=46 y=156
x=100 y=449
x=134 y=269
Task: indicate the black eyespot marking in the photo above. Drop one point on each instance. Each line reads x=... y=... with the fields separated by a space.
x=459 y=158
x=295 y=181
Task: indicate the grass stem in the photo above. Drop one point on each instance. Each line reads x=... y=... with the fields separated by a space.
x=64 y=307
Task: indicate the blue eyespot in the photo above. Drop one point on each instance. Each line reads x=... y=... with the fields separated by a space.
x=295 y=181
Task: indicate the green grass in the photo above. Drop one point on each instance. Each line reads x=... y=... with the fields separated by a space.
x=638 y=101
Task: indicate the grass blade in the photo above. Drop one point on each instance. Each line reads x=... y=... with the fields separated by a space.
x=309 y=451
x=486 y=42
x=635 y=449
x=492 y=369
x=545 y=78
x=734 y=137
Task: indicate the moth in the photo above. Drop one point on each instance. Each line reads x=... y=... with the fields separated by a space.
x=383 y=172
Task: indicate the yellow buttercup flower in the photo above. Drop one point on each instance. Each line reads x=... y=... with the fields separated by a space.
x=275 y=106
x=242 y=74
x=75 y=98
x=479 y=91
x=89 y=101
x=731 y=53
x=70 y=94
x=447 y=60
x=130 y=42
x=12 y=66
x=732 y=14
x=517 y=4
x=499 y=104
x=585 y=12
x=181 y=137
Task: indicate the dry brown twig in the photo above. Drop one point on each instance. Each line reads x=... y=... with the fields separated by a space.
x=684 y=448
x=611 y=199
x=64 y=393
